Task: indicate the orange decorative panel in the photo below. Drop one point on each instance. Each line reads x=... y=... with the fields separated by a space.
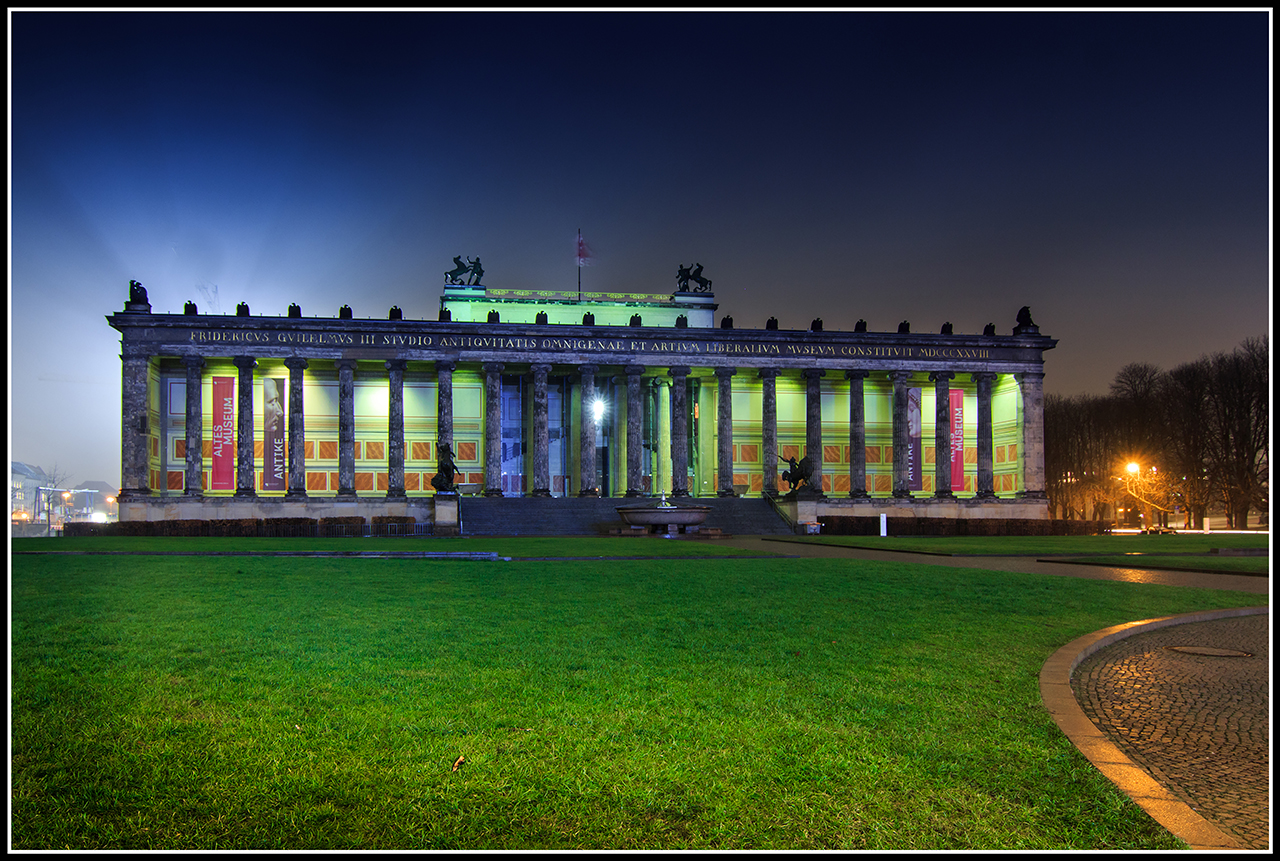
x=970 y=455
x=831 y=454
x=475 y=478
x=364 y=481
x=382 y=480
x=999 y=454
x=155 y=446
x=309 y=450
x=175 y=480
x=316 y=481
x=842 y=483
x=328 y=449
x=180 y=448
x=204 y=481
x=884 y=483
x=333 y=480
x=750 y=453
x=374 y=451
x=873 y=454
x=968 y=484
x=888 y=454
x=206 y=448
x=356 y=449
x=742 y=478
x=420 y=451
x=826 y=483
x=757 y=482
x=467 y=451
x=257 y=448
x=928 y=483
x=930 y=454
x=410 y=481
x=790 y=451
x=1013 y=451
x=871 y=483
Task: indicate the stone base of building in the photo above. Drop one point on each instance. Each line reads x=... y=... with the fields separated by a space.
x=421 y=508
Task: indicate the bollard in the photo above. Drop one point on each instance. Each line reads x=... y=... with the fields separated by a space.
x=884 y=525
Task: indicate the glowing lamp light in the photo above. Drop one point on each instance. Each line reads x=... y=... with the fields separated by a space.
x=1132 y=468
x=597 y=409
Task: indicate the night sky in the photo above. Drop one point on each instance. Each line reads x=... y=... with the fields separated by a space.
x=1110 y=170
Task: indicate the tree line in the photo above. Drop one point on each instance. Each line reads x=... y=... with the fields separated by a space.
x=1199 y=434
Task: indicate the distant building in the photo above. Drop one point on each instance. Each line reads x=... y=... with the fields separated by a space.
x=24 y=495
x=93 y=500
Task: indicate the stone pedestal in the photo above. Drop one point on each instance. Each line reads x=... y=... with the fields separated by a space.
x=446 y=520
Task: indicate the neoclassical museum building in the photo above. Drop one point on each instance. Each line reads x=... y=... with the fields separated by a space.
x=543 y=393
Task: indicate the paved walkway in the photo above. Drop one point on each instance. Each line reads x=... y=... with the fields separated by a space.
x=1197 y=723
x=1186 y=735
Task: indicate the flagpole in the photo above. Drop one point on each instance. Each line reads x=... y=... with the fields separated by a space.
x=579 y=265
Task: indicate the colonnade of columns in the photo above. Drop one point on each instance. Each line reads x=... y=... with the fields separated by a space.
x=672 y=428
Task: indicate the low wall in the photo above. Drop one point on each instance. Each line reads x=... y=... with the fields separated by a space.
x=270 y=527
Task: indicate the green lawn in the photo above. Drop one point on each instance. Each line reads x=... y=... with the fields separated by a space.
x=526 y=547
x=1048 y=545
x=320 y=703
x=1254 y=566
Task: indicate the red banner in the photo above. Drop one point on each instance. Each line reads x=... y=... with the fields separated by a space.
x=957 y=439
x=273 y=449
x=224 y=434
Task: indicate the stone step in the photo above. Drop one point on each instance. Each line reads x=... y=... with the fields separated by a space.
x=598 y=516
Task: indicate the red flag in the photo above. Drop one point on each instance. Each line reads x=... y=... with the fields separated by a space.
x=584 y=253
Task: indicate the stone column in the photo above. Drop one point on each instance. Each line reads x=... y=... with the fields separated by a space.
x=195 y=426
x=724 y=430
x=662 y=456
x=769 y=429
x=395 y=427
x=244 y=427
x=679 y=431
x=444 y=405
x=297 y=430
x=635 y=431
x=942 y=434
x=986 y=473
x=541 y=433
x=813 y=422
x=587 y=433
x=1032 y=386
x=346 y=428
x=901 y=435
x=134 y=480
x=857 y=435
x=492 y=428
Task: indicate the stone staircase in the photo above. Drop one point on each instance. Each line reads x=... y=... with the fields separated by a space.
x=594 y=516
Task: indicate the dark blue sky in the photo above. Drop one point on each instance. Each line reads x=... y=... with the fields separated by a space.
x=1110 y=170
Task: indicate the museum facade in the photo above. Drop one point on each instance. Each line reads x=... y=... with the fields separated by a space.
x=558 y=394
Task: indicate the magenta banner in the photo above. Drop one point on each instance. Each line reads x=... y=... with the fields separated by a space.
x=273 y=450
x=915 y=459
x=224 y=434
x=957 y=439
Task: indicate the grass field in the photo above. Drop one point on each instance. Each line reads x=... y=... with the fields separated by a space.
x=1049 y=545
x=317 y=703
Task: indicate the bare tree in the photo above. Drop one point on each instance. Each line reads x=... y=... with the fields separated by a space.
x=1239 y=426
x=1185 y=394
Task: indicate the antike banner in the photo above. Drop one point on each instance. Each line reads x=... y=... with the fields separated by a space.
x=915 y=459
x=273 y=448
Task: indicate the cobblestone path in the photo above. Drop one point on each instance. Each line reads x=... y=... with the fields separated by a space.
x=1198 y=723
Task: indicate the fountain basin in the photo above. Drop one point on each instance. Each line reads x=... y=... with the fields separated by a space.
x=658 y=515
